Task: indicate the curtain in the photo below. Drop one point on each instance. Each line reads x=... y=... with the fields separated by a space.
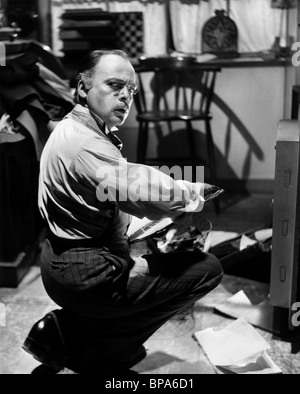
x=258 y=23
x=155 y=16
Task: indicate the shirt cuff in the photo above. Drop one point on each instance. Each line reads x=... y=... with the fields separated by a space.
x=194 y=193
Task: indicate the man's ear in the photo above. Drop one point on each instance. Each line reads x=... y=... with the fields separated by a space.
x=82 y=91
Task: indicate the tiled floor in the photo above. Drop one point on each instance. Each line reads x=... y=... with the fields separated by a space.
x=172 y=350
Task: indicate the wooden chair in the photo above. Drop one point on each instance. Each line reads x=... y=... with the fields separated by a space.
x=181 y=92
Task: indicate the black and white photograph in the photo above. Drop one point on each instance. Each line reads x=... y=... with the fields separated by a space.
x=149 y=190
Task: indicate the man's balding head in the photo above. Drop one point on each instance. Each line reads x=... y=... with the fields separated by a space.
x=106 y=84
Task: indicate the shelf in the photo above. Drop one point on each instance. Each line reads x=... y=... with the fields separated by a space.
x=78 y=25
x=89 y=29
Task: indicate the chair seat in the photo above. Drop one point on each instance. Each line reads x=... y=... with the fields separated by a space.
x=180 y=115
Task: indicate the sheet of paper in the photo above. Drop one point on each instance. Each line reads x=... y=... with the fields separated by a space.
x=142 y=228
x=239 y=305
x=264 y=235
x=233 y=344
x=238 y=348
x=215 y=238
x=246 y=242
x=136 y=224
x=261 y=364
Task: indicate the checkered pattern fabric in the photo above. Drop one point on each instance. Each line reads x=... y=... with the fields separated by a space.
x=130 y=32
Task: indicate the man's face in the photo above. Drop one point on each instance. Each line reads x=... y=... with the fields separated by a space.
x=111 y=95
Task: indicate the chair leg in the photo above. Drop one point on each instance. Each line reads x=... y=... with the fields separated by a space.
x=212 y=161
x=142 y=142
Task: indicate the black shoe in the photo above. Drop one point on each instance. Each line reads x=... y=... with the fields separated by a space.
x=44 y=370
x=120 y=365
x=45 y=343
x=138 y=357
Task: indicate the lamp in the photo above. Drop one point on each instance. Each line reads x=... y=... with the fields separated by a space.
x=283 y=5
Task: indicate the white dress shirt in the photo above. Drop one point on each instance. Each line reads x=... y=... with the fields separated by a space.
x=79 y=159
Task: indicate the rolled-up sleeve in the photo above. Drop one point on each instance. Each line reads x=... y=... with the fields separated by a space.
x=138 y=190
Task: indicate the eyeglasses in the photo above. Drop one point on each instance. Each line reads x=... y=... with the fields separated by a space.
x=118 y=86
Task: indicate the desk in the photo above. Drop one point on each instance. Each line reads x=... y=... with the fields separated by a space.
x=254 y=60
x=250 y=62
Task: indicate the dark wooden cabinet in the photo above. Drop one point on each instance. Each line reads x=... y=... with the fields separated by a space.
x=20 y=222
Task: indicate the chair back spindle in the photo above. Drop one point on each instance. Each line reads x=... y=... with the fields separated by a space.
x=170 y=91
x=180 y=90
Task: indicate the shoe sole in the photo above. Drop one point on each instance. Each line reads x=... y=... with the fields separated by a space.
x=140 y=356
x=41 y=354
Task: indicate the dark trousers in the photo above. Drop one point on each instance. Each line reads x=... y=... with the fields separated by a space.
x=111 y=306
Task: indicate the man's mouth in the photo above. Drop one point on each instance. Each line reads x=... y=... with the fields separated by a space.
x=121 y=110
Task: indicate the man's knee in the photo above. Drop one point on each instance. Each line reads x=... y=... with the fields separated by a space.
x=207 y=274
x=216 y=269
x=211 y=273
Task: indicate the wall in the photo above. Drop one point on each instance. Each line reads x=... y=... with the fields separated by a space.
x=248 y=106
x=189 y=17
x=249 y=102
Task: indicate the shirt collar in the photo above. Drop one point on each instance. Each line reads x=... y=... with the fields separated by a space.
x=84 y=116
x=103 y=126
x=90 y=119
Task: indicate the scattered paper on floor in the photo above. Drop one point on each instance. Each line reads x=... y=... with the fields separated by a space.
x=264 y=235
x=215 y=238
x=237 y=349
x=239 y=305
x=246 y=242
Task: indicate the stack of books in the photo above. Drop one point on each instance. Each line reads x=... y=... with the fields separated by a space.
x=86 y=29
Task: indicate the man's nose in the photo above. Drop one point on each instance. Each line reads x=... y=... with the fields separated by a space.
x=125 y=94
